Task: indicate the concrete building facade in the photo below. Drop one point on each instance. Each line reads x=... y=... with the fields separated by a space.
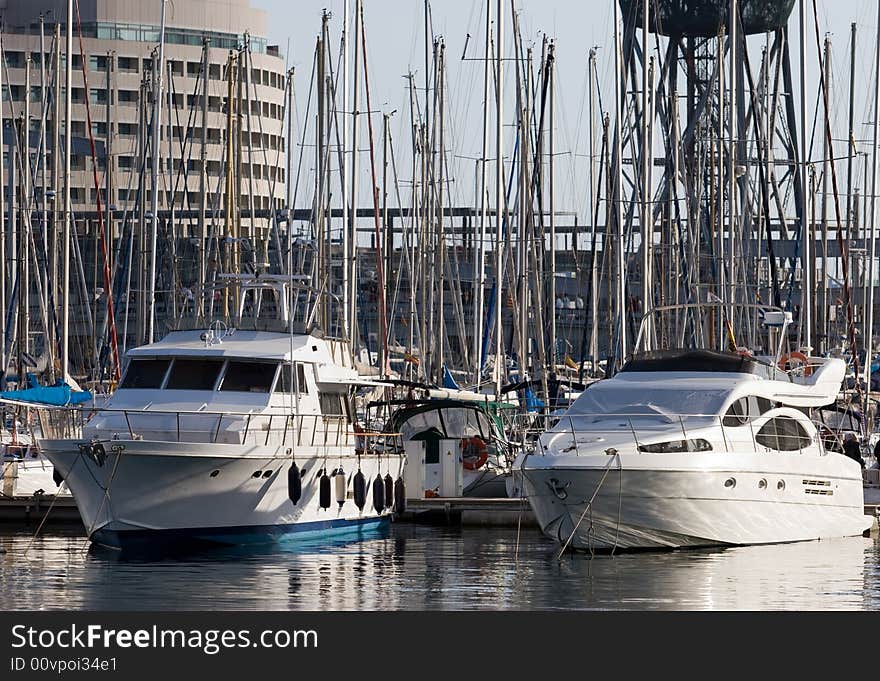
x=119 y=41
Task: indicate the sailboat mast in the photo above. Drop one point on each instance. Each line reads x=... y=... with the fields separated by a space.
x=347 y=331
x=481 y=244
x=617 y=184
x=154 y=175
x=594 y=269
x=869 y=329
x=552 y=302
x=499 y=187
x=807 y=247
x=352 y=226
x=203 y=185
x=65 y=260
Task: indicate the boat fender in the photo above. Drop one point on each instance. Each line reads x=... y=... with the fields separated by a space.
x=324 y=490
x=360 y=490
x=399 y=496
x=294 y=483
x=339 y=483
x=378 y=494
x=474 y=453
x=57 y=477
x=389 y=491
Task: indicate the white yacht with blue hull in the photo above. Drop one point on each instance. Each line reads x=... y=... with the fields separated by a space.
x=695 y=448
x=226 y=437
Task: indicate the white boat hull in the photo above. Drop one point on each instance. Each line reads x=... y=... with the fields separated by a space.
x=676 y=501
x=147 y=493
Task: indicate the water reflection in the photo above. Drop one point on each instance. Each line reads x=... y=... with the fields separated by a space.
x=412 y=567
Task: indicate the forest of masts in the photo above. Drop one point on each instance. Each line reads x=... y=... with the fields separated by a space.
x=687 y=195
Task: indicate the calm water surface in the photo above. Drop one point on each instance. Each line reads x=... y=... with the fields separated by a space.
x=419 y=567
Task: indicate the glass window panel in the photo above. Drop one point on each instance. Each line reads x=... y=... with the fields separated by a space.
x=145 y=373
x=194 y=374
x=249 y=377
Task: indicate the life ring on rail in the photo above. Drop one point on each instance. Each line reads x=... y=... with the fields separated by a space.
x=801 y=357
x=474 y=453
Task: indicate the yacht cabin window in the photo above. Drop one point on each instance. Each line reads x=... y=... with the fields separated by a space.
x=783 y=434
x=283 y=384
x=746 y=409
x=248 y=376
x=194 y=374
x=331 y=404
x=145 y=373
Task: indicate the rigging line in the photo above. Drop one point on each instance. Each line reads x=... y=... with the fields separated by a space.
x=589 y=505
x=383 y=327
x=302 y=145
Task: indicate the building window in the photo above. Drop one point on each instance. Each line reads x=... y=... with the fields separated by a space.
x=127 y=64
x=128 y=129
x=98 y=96
x=98 y=62
x=128 y=96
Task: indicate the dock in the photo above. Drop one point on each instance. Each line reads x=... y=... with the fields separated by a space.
x=32 y=509
x=469 y=511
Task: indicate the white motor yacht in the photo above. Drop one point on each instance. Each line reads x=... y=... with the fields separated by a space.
x=225 y=436
x=695 y=448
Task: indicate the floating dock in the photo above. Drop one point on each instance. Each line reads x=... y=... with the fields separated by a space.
x=32 y=509
x=469 y=511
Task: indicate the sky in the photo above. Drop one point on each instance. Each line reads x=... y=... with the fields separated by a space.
x=395 y=44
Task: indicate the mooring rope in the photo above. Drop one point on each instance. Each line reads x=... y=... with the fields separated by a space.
x=589 y=504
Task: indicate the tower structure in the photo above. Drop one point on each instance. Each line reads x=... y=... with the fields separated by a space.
x=710 y=173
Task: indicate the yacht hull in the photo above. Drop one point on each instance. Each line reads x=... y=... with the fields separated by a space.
x=150 y=493
x=693 y=503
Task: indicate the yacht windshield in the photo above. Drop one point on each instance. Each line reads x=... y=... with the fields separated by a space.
x=193 y=374
x=616 y=399
x=145 y=373
x=249 y=377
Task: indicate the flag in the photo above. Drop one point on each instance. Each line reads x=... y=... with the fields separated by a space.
x=411 y=358
x=533 y=402
x=448 y=381
x=570 y=363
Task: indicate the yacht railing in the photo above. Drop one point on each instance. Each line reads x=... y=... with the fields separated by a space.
x=693 y=432
x=237 y=428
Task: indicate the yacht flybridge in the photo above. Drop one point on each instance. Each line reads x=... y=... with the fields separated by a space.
x=687 y=448
x=227 y=436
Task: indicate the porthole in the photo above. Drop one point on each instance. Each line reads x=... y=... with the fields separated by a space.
x=257 y=474
x=762 y=483
x=267 y=474
x=214 y=474
x=780 y=485
x=730 y=483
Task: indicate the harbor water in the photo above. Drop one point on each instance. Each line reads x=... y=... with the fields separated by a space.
x=415 y=567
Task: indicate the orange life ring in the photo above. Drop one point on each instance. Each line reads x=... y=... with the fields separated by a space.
x=474 y=453
x=785 y=359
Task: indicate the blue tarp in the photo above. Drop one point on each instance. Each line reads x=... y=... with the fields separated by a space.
x=58 y=395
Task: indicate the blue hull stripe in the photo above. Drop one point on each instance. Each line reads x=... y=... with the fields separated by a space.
x=238 y=535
